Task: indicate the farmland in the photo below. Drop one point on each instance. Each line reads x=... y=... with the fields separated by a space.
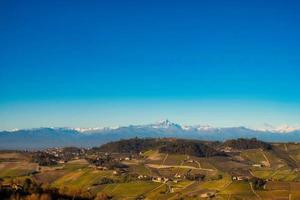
x=151 y=174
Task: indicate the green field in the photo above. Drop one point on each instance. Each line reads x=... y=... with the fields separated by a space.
x=278 y=175
x=15 y=165
x=130 y=190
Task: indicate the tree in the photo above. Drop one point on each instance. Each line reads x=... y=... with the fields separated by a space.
x=258 y=184
x=27 y=185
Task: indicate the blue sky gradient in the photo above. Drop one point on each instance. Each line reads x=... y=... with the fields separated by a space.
x=98 y=63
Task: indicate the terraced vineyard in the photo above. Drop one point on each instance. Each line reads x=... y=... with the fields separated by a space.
x=239 y=174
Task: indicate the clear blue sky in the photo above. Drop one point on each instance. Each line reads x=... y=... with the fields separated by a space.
x=98 y=63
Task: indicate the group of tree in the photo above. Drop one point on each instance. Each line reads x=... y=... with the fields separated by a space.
x=258 y=183
x=243 y=144
x=195 y=177
x=30 y=190
x=106 y=161
x=44 y=158
x=189 y=147
x=164 y=145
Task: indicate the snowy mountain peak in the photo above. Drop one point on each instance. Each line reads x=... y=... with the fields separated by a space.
x=279 y=129
x=205 y=127
x=286 y=129
x=165 y=124
x=83 y=130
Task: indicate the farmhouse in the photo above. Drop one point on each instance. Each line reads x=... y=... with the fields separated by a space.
x=176 y=180
x=177 y=176
x=207 y=195
x=240 y=175
x=240 y=178
x=257 y=165
x=160 y=179
x=101 y=168
x=115 y=172
x=62 y=161
x=142 y=177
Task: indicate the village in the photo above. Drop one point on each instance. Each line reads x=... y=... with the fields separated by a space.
x=120 y=164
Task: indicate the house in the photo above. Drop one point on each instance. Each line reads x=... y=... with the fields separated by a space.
x=176 y=180
x=207 y=195
x=157 y=179
x=227 y=149
x=240 y=175
x=177 y=176
x=101 y=168
x=141 y=177
x=240 y=178
x=127 y=158
x=160 y=179
x=61 y=161
x=115 y=172
x=257 y=165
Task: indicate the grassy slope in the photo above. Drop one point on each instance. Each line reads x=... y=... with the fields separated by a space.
x=130 y=190
x=15 y=165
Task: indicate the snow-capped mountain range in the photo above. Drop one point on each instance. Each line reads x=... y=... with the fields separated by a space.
x=88 y=137
x=280 y=129
x=167 y=124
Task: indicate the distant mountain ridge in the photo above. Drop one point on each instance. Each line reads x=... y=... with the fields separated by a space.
x=38 y=138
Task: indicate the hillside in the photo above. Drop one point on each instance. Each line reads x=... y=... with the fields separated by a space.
x=243 y=144
x=171 y=145
x=160 y=168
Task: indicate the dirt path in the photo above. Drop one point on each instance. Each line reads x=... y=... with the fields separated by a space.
x=188 y=185
x=250 y=171
x=115 y=188
x=226 y=186
x=177 y=166
x=154 y=189
x=175 y=196
x=293 y=158
x=266 y=158
x=199 y=165
x=163 y=162
x=285 y=147
x=276 y=172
